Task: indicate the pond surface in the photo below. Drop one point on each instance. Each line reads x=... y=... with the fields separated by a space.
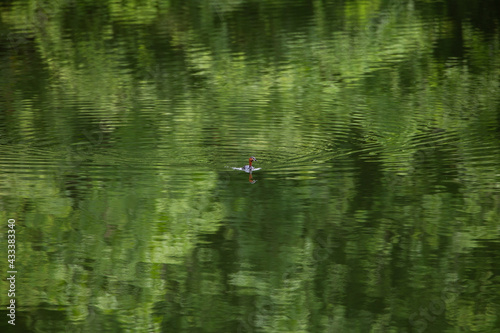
x=376 y=129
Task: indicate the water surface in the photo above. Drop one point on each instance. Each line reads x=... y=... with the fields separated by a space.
x=375 y=125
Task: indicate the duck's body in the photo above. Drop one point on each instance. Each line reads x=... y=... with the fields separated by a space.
x=248 y=168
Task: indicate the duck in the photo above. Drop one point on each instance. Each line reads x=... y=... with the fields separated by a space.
x=249 y=168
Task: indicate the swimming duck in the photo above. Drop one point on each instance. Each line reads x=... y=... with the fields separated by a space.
x=249 y=168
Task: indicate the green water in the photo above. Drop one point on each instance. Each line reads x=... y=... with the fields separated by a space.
x=376 y=128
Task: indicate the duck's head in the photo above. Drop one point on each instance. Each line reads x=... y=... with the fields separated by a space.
x=251 y=159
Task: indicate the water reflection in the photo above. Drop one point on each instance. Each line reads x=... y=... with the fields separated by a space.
x=376 y=132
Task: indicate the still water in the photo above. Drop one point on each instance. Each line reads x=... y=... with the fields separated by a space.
x=376 y=129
